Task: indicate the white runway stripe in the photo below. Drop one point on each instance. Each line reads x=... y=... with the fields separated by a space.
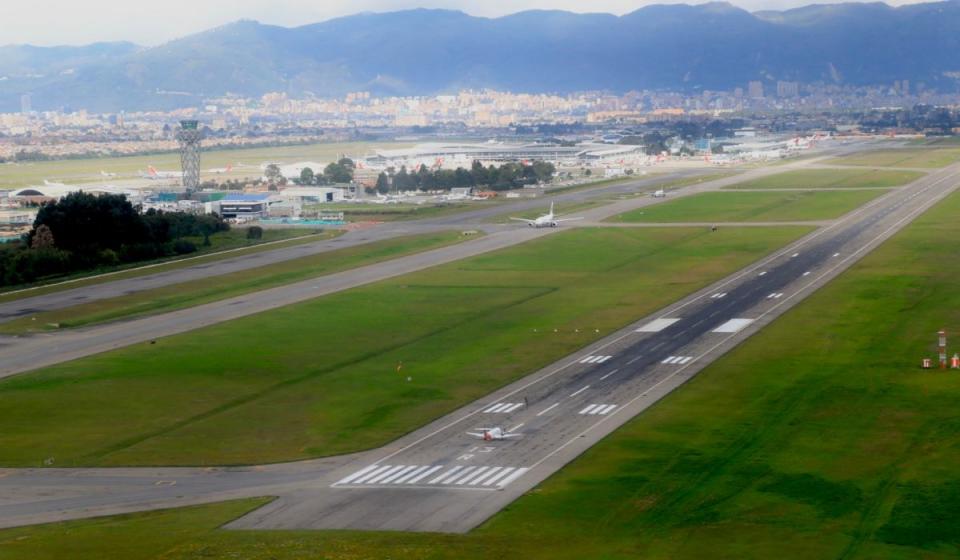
x=474 y=476
x=410 y=475
x=419 y=477
x=595 y=359
x=597 y=409
x=657 y=325
x=492 y=480
x=368 y=476
x=446 y=474
x=462 y=475
x=588 y=409
x=486 y=475
x=502 y=408
x=397 y=475
x=677 y=360
x=513 y=476
x=719 y=295
x=607 y=409
x=733 y=325
x=357 y=474
x=384 y=475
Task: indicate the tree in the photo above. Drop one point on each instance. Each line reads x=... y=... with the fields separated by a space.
x=383 y=183
x=86 y=224
x=255 y=232
x=306 y=176
x=272 y=172
x=338 y=173
x=43 y=238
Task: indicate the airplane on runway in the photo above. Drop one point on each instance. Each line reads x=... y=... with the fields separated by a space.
x=547 y=220
x=220 y=170
x=153 y=174
x=662 y=193
x=107 y=175
x=493 y=434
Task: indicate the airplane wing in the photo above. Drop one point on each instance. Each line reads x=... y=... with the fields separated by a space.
x=568 y=219
x=523 y=220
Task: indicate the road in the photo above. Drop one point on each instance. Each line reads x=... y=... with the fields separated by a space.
x=440 y=479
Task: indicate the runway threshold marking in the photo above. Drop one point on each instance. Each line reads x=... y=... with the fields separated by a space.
x=775 y=295
x=719 y=295
x=474 y=476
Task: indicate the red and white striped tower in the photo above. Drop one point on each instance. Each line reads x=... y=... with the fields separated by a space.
x=943 y=349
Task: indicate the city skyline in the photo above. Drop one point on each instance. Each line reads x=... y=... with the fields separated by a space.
x=116 y=20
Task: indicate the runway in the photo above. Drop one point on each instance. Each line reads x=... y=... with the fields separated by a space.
x=25 y=353
x=438 y=478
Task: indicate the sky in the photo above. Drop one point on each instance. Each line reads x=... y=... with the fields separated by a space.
x=151 y=22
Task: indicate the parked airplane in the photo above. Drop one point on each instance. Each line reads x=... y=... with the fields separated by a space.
x=107 y=175
x=54 y=184
x=547 y=220
x=152 y=173
x=493 y=434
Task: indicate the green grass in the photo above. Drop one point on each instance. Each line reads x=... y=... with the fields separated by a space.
x=88 y=170
x=831 y=179
x=222 y=246
x=319 y=377
x=214 y=288
x=817 y=438
x=752 y=207
x=904 y=157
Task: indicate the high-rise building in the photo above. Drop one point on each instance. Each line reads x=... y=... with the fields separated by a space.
x=26 y=104
x=788 y=89
x=755 y=89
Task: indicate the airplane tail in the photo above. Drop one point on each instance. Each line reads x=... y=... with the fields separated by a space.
x=551 y=209
x=152 y=170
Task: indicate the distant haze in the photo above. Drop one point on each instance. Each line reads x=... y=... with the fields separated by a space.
x=69 y=22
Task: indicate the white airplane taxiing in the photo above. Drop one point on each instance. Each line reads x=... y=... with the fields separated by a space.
x=493 y=434
x=660 y=194
x=547 y=220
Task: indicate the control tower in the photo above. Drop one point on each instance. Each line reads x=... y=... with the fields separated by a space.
x=189 y=136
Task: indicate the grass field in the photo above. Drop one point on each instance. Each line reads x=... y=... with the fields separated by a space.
x=831 y=179
x=817 y=438
x=222 y=246
x=904 y=157
x=214 y=288
x=319 y=378
x=249 y=160
x=752 y=207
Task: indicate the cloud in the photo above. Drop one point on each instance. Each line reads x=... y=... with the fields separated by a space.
x=56 y=22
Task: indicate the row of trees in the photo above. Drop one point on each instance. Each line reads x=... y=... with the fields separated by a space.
x=338 y=172
x=507 y=176
x=82 y=231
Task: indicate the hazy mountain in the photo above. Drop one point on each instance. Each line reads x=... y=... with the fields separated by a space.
x=713 y=46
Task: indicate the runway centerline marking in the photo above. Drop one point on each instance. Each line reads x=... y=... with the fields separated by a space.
x=609 y=374
x=580 y=391
x=548 y=409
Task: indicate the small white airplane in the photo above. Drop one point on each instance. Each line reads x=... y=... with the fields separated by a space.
x=54 y=184
x=660 y=193
x=107 y=175
x=547 y=220
x=153 y=174
x=493 y=434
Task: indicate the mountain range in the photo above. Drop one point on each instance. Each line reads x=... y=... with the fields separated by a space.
x=414 y=52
